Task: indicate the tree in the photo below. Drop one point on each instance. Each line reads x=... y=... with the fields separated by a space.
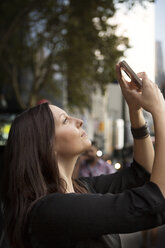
x=44 y=44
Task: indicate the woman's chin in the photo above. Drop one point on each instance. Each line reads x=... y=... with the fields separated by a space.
x=87 y=145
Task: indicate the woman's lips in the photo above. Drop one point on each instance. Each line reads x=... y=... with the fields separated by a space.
x=83 y=134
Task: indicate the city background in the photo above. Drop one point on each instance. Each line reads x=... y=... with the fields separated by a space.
x=46 y=67
x=55 y=52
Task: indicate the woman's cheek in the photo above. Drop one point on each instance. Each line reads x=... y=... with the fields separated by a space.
x=67 y=136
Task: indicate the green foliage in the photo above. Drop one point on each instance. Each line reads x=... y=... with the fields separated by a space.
x=46 y=44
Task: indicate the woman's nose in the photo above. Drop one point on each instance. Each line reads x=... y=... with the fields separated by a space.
x=79 y=122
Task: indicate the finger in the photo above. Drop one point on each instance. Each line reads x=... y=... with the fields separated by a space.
x=122 y=82
x=118 y=72
x=119 y=76
x=144 y=77
x=134 y=86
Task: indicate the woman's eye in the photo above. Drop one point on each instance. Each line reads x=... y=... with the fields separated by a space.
x=65 y=120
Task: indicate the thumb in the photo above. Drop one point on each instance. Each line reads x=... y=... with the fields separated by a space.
x=144 y=77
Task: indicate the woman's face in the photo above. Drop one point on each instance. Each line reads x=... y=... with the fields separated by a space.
x=71 y=139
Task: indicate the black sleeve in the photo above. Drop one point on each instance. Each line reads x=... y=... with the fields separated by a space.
x=89 y=215
x=127 y=178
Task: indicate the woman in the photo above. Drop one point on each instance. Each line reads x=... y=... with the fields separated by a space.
x=44 y=207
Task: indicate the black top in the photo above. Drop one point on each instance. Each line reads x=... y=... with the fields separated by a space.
x=117 y=203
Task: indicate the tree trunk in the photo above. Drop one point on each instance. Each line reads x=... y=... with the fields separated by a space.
x=16 y=88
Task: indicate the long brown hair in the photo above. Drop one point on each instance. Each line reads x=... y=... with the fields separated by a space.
x=30 y=169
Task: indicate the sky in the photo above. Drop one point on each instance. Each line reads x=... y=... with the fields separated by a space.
x=160 y=24
x=139 y=25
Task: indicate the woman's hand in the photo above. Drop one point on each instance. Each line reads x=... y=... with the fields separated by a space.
x=149 y=97
x=127 y=88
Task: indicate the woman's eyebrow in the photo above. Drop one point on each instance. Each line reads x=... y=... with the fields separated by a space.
x=62 y=114
x=57 y=118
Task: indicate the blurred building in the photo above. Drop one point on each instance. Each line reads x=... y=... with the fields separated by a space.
x=159 y=62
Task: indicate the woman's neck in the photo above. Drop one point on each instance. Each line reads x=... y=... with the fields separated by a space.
x=66 y=167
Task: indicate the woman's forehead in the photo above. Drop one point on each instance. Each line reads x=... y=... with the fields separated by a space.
x=57 y=112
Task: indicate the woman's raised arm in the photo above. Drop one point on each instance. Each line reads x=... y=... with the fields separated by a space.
x=151 y=99
x=142 y=148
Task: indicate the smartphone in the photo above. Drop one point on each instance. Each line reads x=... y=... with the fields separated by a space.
x=131 y=74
